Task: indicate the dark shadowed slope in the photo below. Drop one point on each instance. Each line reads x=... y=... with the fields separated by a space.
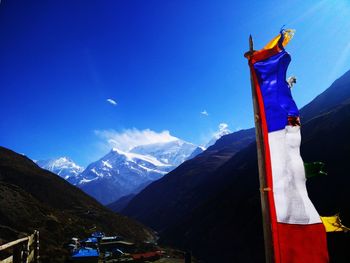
x=33 y=198
x=326 y=138
x=228 y=225
x=121 y=203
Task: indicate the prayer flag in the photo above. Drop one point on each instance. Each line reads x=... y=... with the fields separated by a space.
x=298 y=235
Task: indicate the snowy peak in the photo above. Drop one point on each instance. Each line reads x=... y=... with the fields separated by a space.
x=119 y=163
x=120 y=173
x=171 y=153
x=222 y=130
x=62 y=166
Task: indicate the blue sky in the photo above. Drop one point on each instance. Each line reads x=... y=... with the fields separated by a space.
x=162 y=62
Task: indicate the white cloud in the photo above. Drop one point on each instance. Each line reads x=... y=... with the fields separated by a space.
x=130 y=138
x=205 y=113
x=113 y=102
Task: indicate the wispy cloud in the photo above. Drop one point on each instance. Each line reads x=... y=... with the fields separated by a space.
x=111 y=101
x=130 y=138
x=205 y=113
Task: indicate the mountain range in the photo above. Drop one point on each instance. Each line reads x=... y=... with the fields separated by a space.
x=211 y=204
x=120 y=173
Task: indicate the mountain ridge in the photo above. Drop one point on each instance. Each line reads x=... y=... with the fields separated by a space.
x=334 y=95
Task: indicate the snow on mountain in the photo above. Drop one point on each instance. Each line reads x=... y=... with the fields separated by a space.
x=223 y=130
x=62 y=166
x=120 y=173
x=173 y=153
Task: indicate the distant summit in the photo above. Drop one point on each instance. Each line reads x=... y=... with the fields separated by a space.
x=62 y=166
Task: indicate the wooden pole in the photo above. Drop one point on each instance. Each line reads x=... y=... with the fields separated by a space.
x=36 y=246
x=269 y=255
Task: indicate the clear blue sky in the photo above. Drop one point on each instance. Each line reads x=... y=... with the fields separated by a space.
x=162 y=61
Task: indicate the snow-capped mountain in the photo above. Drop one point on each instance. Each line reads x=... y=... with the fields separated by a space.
x=62 y=166
x=121 y=173
x=223 y=130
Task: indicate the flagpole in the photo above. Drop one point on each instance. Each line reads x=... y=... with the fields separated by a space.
x=262 y=171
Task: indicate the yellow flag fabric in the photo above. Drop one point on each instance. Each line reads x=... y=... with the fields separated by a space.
x=287 y=36
x=333 y=224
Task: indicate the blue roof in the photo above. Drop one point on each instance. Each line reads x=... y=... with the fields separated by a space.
x=85 y=252
x=90 y=240
x=98 y=234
